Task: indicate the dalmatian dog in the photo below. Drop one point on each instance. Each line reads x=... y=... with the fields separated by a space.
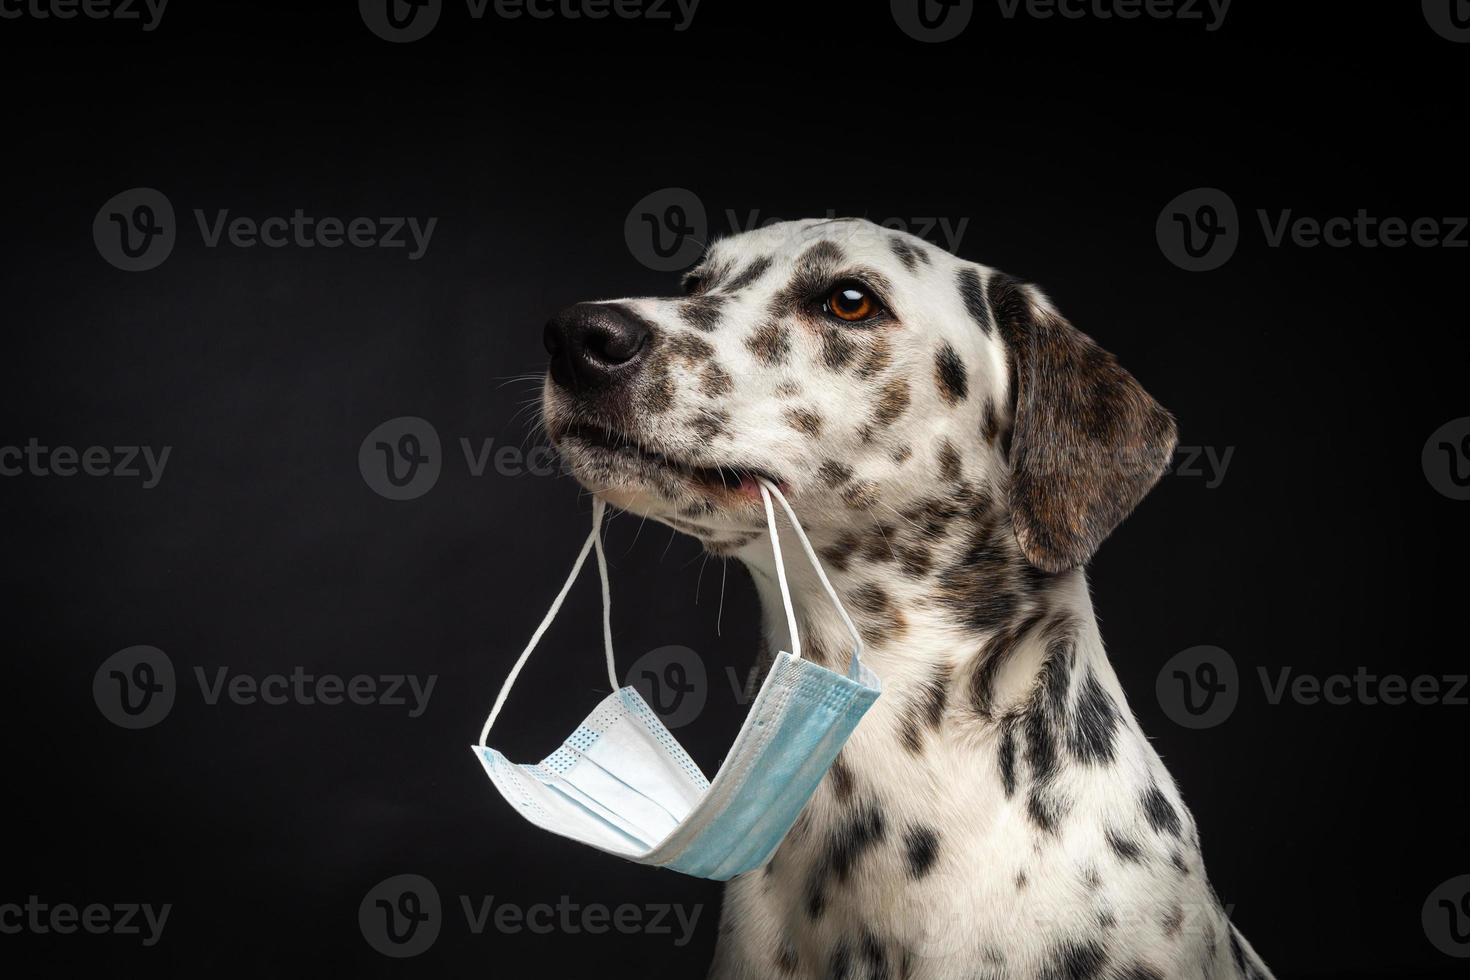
x=957 y=451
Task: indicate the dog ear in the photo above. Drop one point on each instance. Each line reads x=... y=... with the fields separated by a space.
x=1086 y=442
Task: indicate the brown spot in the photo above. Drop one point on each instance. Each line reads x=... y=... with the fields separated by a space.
x=834 y=474
x=879 y=355
x=892 y=403
x=879 y=620
x=714 y=381
x=949 y=462
x=803 y=420
x=770 y=344
x=657 y=395
x=841 y=551
x=901 y=454
x=707 y=424
x=689 y=347
x=702 y=312
x=837 y=349
x=861 y=495
x=990 y=422
x=788 y=389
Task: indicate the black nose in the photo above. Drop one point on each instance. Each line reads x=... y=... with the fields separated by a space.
x=594 y=346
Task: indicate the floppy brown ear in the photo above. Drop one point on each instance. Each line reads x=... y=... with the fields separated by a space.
x=1086 y=441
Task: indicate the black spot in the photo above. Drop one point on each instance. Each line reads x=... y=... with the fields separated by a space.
x=838 y=349
x=876 y=957
x=750 y=274
x=1093 y=724
x=950 y=466
x=949 y=373
x=926 y=708
x=1075 y=961
x=841 y=779
x=922 y=847
x=786 y=958
x=1178 y=861
x=840 y=966
x=770 y=344
x=834 y=474
x=907 y=254
x=993 y=655
x=1008 y=756
x=1140 y=972
x=702 y=312
x=1021 y=881
x=974 y=296
x=1125 y=847
x=1160 y=812
x=853 y=838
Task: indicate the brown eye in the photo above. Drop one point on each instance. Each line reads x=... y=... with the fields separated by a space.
x=851 y=302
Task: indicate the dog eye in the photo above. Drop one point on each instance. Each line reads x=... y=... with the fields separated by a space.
x=851 y=302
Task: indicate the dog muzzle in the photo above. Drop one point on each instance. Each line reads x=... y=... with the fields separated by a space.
x=623 y=784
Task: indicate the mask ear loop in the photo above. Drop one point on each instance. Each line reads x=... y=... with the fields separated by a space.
x=811 y=554
x=594 y=540
x=780 y=568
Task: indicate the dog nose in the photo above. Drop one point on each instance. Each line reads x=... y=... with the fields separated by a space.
x=594 y=346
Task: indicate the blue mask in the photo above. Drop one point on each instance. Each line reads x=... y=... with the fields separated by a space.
x=623 y=784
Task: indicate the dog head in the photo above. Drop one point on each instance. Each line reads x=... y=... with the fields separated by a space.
x=862 y=370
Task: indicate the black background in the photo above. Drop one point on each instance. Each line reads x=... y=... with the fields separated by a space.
x=1325 y=548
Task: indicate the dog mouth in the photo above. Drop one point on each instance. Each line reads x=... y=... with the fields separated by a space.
x=731 y=479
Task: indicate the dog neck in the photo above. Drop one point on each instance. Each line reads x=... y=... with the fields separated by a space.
x=967 y=644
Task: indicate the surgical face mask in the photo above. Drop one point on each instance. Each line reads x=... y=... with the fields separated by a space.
x=623 y=784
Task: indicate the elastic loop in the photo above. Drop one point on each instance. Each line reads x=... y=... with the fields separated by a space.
x=607 y=647
x=781 y=571
x=811 y=554
x=593 y=539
